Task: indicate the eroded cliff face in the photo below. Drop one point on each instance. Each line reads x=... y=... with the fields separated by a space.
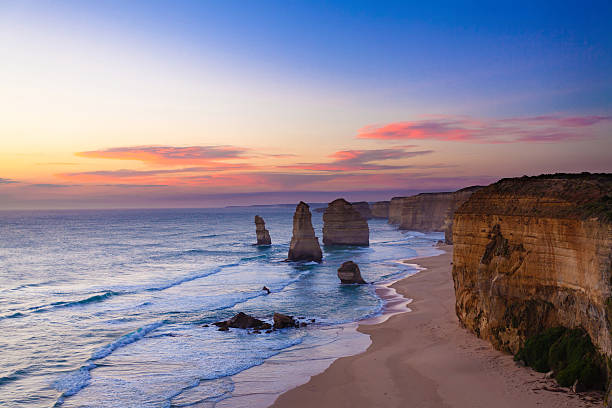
x=532 y=253
x=364 y=209
x=395 y=210
x=425 y=211
x=380 y=209
x=459 y=197
x=432 y=211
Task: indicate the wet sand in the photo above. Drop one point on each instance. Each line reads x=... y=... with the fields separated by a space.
x=424 y=358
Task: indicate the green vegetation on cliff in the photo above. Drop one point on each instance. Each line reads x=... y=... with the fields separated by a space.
x=569 y=353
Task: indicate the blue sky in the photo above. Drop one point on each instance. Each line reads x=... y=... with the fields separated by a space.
x=302 y=80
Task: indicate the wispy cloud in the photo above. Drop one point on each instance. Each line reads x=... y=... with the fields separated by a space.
x=57 y=164
x=358 y=160
x=7 y=181
x=550 y=128
x=148 y=177
x=52 y=185
x=172 y=155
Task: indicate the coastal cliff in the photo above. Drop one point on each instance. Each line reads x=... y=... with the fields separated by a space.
x=534 y=253
x=380 y=209
x=459 y=197
x=364 y=209
x=425 y=211
x=395 y=210
x=432 y=211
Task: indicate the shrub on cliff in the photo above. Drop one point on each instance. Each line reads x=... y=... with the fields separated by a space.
x=569 y=353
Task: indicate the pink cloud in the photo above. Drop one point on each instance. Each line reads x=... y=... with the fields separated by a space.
x=357 y=160
x=551 y=128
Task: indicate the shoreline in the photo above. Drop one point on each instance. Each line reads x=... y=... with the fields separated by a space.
x=256 y=388
x=426 y=359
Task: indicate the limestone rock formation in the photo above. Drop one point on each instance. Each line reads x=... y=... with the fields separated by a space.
x=363 y=208
x=344 y=225
x=428 y=211
x=380 y=209
x=263 y=236
x=349 y=273
x=304 y=244
x=459 y=197
x=395 y=210
x=533 y=253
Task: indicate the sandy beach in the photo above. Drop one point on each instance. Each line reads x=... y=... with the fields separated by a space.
x=423 y=358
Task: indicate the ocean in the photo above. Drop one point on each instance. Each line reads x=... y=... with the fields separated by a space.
x=107 y=308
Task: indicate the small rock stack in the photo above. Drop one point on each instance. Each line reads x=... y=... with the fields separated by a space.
x=304 y=244
x=349 y=273
x=263 y=236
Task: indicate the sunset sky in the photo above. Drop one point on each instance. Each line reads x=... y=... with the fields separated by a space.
x=114 y=104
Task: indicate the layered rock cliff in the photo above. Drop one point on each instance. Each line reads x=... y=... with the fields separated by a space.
x=364 y=209
x=343 y=224
x=532 y=253
x=425 y=211
x=459 y=197
x=349 y=273
x=263 y=236
x=432 y=211
x=395 y=210
x=380 y=209
x=304 y=244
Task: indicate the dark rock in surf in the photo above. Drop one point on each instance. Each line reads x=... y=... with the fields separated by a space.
x=282 y=321
x=349 y=273
x=243 y=321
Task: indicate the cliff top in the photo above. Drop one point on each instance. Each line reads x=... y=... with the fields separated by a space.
x=567 y=195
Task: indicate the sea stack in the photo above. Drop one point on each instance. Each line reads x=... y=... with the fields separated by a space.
x=304 y=244
x=344 y=225
x=263 y=236
x=349 y=273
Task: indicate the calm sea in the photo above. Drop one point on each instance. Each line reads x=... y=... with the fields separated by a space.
x=106 y=308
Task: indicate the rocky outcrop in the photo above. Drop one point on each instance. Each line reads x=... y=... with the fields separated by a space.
x=282 y=321
x=304 y=244
x=533 y=253
x=344 y=225
x=380 y=209
x=243 y=321
x=349 y=273
x=363 y=208
x=263 y=236
x=395 y=210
